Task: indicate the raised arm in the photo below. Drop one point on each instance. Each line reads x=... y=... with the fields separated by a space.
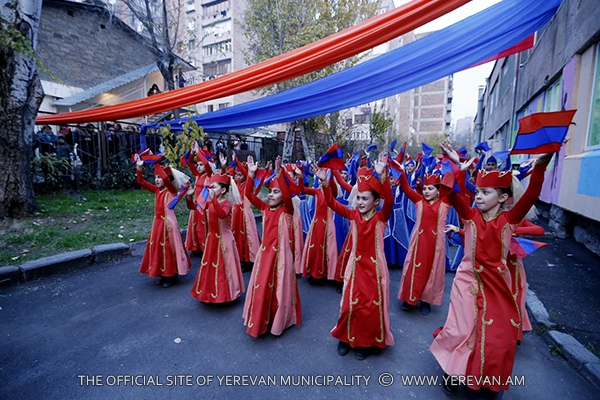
x=532 y=193
x=250 y=195
x=408 y=191
x=139 y=163
x=331 y=201
x=222 y=209
x=340 y=180
x=386 y=194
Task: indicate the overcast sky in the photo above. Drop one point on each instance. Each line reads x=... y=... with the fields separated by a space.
x=466 y=83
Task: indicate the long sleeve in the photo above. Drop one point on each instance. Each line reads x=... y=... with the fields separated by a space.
x=250 y=195
x=189 y=202
x=532 y=193
x=334 y=204
x=170 y=186
x=343 y=184
x=146 y=185
x=222 y=209
x=388 y=199
x=460 y=205
x=285 y=191
x=408 y=191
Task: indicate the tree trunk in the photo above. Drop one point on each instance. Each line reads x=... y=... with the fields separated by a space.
x=21 y=94
x=308 y=144
x=288 y=142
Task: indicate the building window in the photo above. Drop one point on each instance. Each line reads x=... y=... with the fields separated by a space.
x=348 y=121
x=361 y=119
x=210 y=108
x=593 y=139
x=216 y=49
x=221 y=67
x=223 y=106
x=552 y=97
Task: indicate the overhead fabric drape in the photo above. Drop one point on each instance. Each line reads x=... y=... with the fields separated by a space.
x=309 y=58
x=433 y=57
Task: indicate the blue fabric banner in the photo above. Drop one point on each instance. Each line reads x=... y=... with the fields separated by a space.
x=433 y=57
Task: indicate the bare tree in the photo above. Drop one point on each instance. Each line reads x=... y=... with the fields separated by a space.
x=20 y=98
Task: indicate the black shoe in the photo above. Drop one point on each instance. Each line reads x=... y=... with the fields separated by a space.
x=483 y=394
x=317 y=281
x=247 y=266
x=361 y=353
x=406 y=306
x=160 y=281
x=343 y=348
x=170 y=281
x=339 y=287
x=449 y=388
x=425 y=308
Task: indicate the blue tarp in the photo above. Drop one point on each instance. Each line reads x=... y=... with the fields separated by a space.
x=433 y=57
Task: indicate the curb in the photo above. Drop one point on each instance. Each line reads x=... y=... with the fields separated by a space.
x=581 y=359
x=46 y=266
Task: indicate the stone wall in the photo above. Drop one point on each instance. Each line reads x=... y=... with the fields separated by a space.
x=83 y=45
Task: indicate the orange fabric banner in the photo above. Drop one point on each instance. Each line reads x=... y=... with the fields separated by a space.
x=324 y=52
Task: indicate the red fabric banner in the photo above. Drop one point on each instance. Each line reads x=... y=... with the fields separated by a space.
x=327 y=51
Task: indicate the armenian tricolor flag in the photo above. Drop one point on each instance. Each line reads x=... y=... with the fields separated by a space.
x=333 y=158
x=542 y=132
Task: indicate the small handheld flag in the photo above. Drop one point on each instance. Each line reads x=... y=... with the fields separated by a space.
x=427 y=149
x=179 y=196
x=542 y=132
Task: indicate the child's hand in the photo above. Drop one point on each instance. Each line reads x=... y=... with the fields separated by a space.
x=381 y=163
x=223 y=159
x=195 y=147
x=252 y=167
x=465 y=166
x=320 y=173
x=139 y=163
x=277 y=164
x=450 y=228
x=450 y=153
x=190 y=190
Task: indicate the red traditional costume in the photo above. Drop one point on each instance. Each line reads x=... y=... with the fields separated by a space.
x=425 y=262
x=219 y=278
x=164 y=254
x=517 y=270
x=480 y=335
x=364 y=309
x=273 y=301
x=320 y=252
x=244 y=225
x=346 y=250
x=196 y=233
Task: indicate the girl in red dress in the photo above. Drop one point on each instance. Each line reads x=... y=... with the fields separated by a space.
x=165 y=255
x=219 y=278
x=479 y=338
x=243 y=223
x=196 y=233
x=320 y=252
x=425 y=262
x=364 y=324
x=273 y=302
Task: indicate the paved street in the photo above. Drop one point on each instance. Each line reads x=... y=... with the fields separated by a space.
x=88 y=333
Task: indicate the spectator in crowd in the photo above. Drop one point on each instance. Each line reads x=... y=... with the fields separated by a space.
x=47 y=139
x=63 y=149
x=244 y=145
x=154 y=90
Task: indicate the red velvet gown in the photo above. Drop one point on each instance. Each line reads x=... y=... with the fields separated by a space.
x=196 y=233
x=320 y=248
x=424 y=265
x=273 y=301
x=364 y=310
x=219 y=278
x=164 y=254
x=479 y=337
